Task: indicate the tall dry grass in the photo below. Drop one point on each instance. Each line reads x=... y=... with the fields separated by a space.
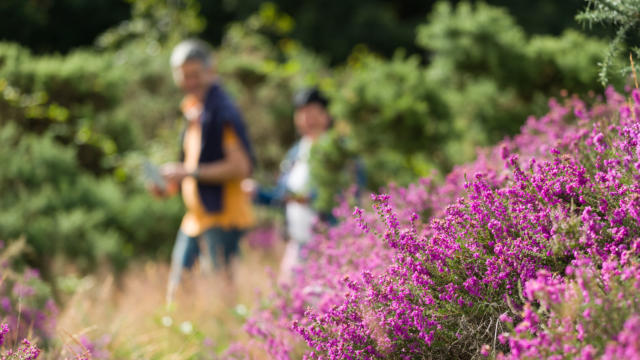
x=132 y=320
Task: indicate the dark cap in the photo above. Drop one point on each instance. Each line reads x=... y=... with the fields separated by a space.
x=308 y=96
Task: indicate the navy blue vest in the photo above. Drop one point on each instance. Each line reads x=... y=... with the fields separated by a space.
x=218 y=111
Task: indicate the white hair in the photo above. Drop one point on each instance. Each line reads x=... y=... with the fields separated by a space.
x=191 y=49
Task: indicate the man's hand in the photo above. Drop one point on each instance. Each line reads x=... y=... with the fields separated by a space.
x=174 y=172
x=159 y=192
x=301 y=199
x=249 y=186
x=156 y=191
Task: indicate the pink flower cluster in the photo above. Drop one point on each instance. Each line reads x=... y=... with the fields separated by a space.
x=593 y=310
x=526 y=253
x=25 y=351
x=26 y=307
x=11 y=349
x=329 y=268
x=26 y=304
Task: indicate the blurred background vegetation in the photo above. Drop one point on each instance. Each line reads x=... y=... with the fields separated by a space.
x=86 y=94
x=329 y=28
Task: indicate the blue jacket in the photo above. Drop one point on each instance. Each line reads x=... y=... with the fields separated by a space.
x=276 y=196
x=218 y=112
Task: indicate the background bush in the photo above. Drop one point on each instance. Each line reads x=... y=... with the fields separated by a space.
x=86 y=119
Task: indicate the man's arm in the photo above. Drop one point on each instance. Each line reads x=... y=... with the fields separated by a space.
x=235 y=165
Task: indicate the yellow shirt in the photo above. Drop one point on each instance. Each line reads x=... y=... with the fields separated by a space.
x=236 y=210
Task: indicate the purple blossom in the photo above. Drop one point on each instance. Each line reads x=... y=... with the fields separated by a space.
x=552 y=212
x=4 y=329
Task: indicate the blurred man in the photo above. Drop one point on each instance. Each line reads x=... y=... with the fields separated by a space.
x=295 y=190
x=216 y=157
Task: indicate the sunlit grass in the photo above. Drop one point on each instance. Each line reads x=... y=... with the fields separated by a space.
x=207 y=315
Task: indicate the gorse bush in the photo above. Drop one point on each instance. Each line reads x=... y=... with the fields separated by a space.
x=65 y=211
x=71 y=181
x=480 y=76
x=623 y=15
x=502 y=75
x=90 y=87
x=390 y=123
x=530 y=251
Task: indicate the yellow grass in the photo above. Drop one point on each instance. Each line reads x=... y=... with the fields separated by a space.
x=207 y=315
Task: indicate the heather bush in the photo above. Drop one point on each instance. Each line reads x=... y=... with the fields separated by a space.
x=29 y=315
x=589 y=311
x=25 y=351
x=453 y=278
x=26 y=305
x=542 y=222
x=30 y=350
x=320 y=283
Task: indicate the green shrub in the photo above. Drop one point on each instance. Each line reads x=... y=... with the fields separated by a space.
x=62 y=210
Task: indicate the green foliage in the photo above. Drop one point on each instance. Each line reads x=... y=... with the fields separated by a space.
x=36 y=208
x=403 y=111
x=85 y=92
x=334 y=168
x=81 y=120
x=484 y=77
x=89 y=117
x=624 y=15
x=474 y=39
x=62 y=210
x=480 y=53
x=390 y=108
x=556 y=66
x=155 y=22
x=263 y=76
x=58 y=92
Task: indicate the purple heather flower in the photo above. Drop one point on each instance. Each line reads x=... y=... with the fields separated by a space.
x=4 y=329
